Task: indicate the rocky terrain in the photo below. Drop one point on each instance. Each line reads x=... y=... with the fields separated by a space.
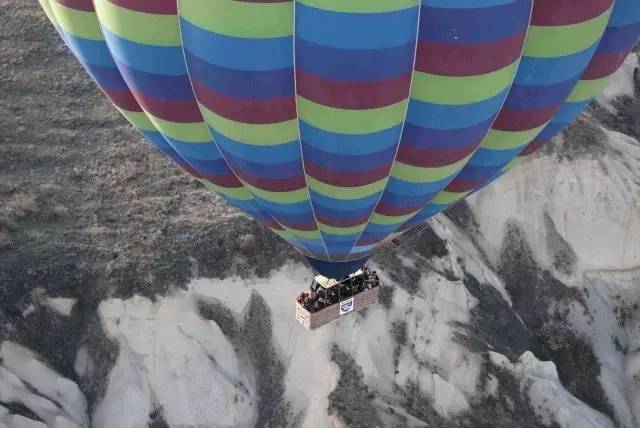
x=130 y=296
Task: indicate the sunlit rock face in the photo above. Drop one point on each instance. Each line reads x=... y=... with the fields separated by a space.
x=517 y=308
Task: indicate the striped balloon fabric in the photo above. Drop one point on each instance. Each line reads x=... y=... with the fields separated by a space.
x=341 y=124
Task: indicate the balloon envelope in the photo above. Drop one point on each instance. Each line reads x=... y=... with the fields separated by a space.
x=342 y=124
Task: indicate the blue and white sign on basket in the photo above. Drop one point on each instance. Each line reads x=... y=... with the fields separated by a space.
x=346 y=306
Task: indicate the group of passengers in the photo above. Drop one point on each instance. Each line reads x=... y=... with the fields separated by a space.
x=318 y=298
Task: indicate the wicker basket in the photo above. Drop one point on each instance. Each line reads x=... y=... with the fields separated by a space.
x=312 y=320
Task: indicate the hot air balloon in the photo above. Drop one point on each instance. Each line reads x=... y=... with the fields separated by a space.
x=341 y=124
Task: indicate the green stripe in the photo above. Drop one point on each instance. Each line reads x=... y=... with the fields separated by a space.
x=305 y=234
x=587 y=89
x=506 y=140
x=450 y=90
x=446 y=198
x=353 y=230
x=290 y=197
x=556 y=41
x=388 y=220
x=191 y=132
x=46 y=6
x=270 y=134
x=418 y=174
x=515 y=162
x=360 y=5
x=138 y=119
x=346 y=193
x=145 y=28
x=77 y=22
x=240 y=19
x=239 y=193
x=351 y=121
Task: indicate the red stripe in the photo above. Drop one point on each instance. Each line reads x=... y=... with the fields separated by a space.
x=123 y=99
x=272 y=184
x=523 y=120
x=346 y=179
x=309 y=226
x=185 y=111
x=459 y=185
x=84 y=5
x=532 y=147
x=425 y=158
x=603 y=65
x=226 y=180
x=565 y=12
x=187 y=168
x=352 y=95
x=246 y=110
x=468 y=60
x=342 y=222
x=397 y=210
x=161 y=7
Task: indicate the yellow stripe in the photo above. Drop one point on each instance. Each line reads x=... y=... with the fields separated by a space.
x=587 y=89
x=77 y=22
x=353 y=230
x=138 y=119
x=140 y=27
x=346 y=193
x=446 y=198
x=388 y=220
x=361 y=6
x=450 y=90
x=191 y=132
x=506 y=140
x=557 y=41
x=240 y=19
x=417 y=174
x=269 y=134
x=290 y=197
x=344 y=121
x=239 y=193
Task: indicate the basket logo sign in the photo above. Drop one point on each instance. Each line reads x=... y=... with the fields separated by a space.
x=346 y=306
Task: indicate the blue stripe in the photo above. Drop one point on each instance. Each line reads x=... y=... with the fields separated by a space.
x=251 y=54
x=414 y=189
x=619 y=39
x=170 y=88
x=107 y=77
x=297 y=208
x=342 y=214
x=345 y=163
x=93 y=52
x=439 y=116
x=356 y=30
x=206 y=151
x=239 y=83
x=484 y=157
x=206 y=166
x=625 y=12
x=449 y=139
x=163 y=60
x=546 y=71
x=265 y=170
x=354 y=204
x=551 y=130
x=348 y=144
x=286 y=152
x=523 y=97
x=354 y=65
x=403 y=200
x=570 y=111
x=474 y=24
x=467 y=4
